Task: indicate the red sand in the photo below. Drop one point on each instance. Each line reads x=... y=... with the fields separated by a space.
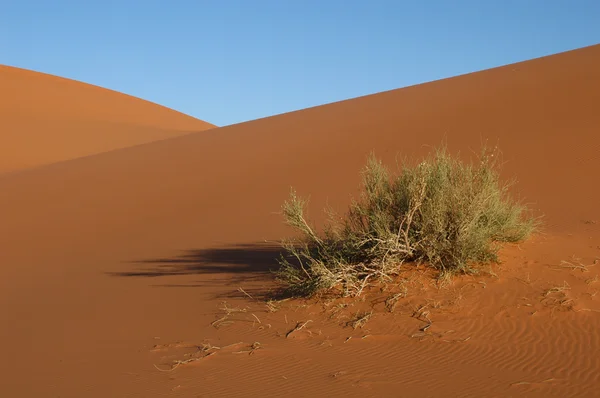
x=47 y=119
x=75 y=325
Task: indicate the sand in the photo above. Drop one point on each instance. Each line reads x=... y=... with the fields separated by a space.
x=121 y=270
x=47 y=119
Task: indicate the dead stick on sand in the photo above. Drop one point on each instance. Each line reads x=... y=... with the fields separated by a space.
x=246 y=293
x=299 y=326
x=253 y=347
x=219 y=320
x=167 y=370
x=522 y=383
x=256 y=318
x=457 y=340
x=424 y=328
x=177 y=363
x=232 y=345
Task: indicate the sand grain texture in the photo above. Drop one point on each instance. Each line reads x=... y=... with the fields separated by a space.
x=118 y=262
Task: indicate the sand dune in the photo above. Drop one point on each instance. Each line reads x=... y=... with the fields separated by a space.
x=122 y=261
x=46 y=119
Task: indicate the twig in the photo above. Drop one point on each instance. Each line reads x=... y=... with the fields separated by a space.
x=360 y=320
x=391 y=302
x=299 y=326
x=246 y=293
x=457 y=340
x=167 y=370
x=228 y=311
x=424 y=328
x=233 y=344
x=184 y=362
x=214 y=324
x=578 y=266
x=521 y=383
x=255 y=346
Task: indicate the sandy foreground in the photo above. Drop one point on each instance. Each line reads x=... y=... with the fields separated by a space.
x=142 y=271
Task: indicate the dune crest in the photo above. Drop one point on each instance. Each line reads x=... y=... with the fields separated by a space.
x=46 y=119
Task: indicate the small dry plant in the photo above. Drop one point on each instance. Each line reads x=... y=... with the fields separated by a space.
x=442 y=212
x=392 y=301
x=359 y=320
x=299 y=326
x=228 y=311
x=576 y=265
x=556 y=298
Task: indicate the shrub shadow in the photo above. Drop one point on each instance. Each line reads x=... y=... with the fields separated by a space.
x=237 y=259
x=240 y=263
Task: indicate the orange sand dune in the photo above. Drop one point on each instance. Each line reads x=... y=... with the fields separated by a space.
x=116 y=266
x=46 y=119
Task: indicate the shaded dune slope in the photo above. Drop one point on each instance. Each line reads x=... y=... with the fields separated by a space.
x=72 y=222
x=45 y=119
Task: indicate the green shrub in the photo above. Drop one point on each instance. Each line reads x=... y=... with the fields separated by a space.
x=443 y=212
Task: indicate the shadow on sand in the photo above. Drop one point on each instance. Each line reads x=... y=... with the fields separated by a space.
x=237 y=264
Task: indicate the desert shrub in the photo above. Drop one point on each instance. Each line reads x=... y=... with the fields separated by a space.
x=442 y=212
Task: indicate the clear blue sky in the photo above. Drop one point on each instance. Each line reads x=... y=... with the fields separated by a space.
x=227 y=61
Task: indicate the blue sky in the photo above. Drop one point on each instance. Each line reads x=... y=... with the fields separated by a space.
x=228 y=61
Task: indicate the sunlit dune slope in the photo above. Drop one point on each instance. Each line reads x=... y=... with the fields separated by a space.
x=45 y=119
x=65 y=225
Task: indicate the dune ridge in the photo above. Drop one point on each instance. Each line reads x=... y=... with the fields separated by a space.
x=46 y=119
x=109 y=269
